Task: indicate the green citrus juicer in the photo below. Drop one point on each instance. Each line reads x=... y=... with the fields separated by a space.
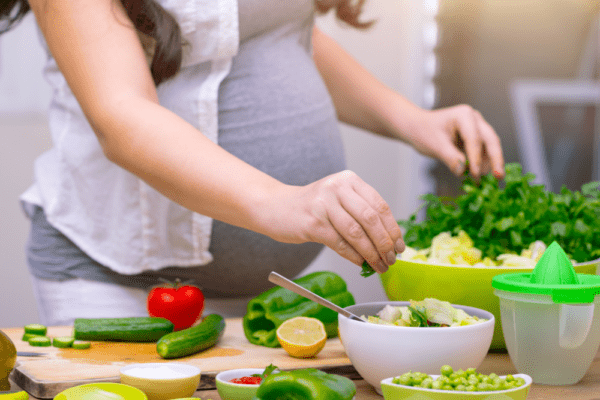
x=550 y=319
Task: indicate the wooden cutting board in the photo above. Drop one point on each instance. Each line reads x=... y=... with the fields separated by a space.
x=45 y=377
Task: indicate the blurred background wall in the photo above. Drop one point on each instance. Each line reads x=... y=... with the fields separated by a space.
x=480 y=47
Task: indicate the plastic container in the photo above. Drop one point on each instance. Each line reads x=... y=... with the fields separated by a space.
x=550 y=319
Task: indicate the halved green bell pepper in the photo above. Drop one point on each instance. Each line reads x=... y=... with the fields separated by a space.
x=270 y=309
x=305 y=384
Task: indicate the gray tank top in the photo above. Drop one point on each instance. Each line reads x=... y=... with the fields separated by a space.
x=274 y=113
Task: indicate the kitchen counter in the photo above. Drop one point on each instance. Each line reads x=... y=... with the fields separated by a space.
x=587 y=389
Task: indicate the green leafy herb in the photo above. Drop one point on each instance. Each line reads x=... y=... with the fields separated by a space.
x=367 y=270
x=268 y=371
x=508 y=219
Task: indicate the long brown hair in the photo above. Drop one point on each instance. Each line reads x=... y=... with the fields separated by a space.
x=154 y=22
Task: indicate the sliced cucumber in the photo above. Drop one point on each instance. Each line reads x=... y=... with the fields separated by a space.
x=81 y=344
x=36 y=329
x=63 y=342
x=40 y=341
x=27 y=336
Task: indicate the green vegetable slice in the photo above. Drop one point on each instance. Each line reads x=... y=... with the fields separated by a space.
x=63 y=342
x=40 y=341
x=81 y=344
x=36 y=329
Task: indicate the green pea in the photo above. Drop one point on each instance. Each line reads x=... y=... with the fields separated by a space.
x=470 y=371
x=483 y=387
x=471 y=388
x=417 y=380
x=510 y=378
x=427 y=383
x=519 y=382
x=493 y=376
x=446 y=370
x=437 y=385
x=405 y=380
x=461 y=388
x=447 y=387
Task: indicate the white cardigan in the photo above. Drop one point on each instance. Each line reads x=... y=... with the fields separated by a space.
x=112 y=215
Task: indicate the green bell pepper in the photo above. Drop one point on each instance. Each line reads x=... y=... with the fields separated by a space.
x=305 y=384
x=270 y=309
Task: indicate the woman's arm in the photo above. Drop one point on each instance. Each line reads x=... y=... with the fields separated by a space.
x=363 y=101
x=99 y=53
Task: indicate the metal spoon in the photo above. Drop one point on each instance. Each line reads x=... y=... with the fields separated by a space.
x=286 y=283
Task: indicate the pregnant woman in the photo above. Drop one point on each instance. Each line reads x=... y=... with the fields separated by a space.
x=199 y=140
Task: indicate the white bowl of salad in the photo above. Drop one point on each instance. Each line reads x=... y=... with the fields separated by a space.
x=414 y=336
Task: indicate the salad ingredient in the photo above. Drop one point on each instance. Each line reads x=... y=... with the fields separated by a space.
x=134 y=329
x=306 y=384
x=255 y=379
x=460 y=250
x=302 y=337
x=40 y=341
x=508 y=219
x=36 y=329
x=81 y=344
x=247 y=380
x=461 y=381
x=192 y=340
x=27 y=336
x=180 y=303
x=8 y=359
x=267 y=311
x=63 y=342
x=427 y=313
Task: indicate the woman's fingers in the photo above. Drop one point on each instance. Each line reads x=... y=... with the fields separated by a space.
x=492 y=151
x=358 y=223
x=481 y=143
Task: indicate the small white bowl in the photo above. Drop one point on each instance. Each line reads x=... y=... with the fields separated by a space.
x=380 y=351
x=162 y=381
x=236 y=391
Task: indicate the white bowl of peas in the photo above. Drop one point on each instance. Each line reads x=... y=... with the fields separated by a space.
x=468 y=384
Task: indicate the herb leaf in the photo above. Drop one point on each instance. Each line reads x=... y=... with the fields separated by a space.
x=508 y=218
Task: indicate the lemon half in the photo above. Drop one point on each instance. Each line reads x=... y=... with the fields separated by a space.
x=302 y=337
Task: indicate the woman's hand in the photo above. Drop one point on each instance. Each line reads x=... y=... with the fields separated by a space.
x=455 y=135
x=344 y=213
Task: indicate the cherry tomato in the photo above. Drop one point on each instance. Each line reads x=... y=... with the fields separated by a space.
x=182 y=304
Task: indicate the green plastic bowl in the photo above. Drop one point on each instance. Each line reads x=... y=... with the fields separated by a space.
x=392 y=391
x=86 y=392
x=468 y=286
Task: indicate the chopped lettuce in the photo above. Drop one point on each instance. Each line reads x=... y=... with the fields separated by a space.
x=426 y=313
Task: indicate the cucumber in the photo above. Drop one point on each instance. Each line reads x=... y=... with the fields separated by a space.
x=36 y=329
x=27 y=336
x=81 y=345
x=136 y=329
x=192 y=340
x=40 y=341
x=62 y=342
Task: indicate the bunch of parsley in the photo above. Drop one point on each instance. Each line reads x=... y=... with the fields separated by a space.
x=506 y=217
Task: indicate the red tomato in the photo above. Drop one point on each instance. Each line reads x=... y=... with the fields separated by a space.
x=180 y=304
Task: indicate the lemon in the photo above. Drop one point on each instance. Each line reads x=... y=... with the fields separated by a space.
x=8 y=358
x=302 y=337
